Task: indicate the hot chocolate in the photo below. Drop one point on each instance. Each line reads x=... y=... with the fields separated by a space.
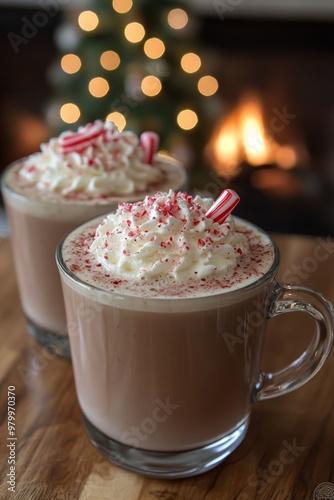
x=167 y=301
x=74 y=177
x=151 y=293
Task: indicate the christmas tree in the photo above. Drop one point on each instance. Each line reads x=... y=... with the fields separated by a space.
x=140 y=65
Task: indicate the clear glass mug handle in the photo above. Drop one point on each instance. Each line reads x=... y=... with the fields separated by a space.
x=291 y=298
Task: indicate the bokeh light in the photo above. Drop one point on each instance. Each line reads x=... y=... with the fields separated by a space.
x=286 y=157
x=207 y=85
x=122 y=6
x=177 y=19
x=110 y=60
x=70 y=63
x=154 y=48
x=190 y=62
x=98 y=87
x=187 y=119
x=69 y=112
x=88 y=20
x=134 y=32
x=118 y=119
x=151 y=86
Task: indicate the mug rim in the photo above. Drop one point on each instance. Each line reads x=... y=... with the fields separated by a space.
x=107 y=202
x=268 y=275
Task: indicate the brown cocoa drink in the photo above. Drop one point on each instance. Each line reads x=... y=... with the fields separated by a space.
x=74 y=177
x=168 y=316
x=167 y=301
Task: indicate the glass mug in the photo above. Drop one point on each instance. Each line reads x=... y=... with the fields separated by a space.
x=37 y=225
x=166 y=385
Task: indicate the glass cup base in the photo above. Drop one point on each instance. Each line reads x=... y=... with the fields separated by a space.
x=166 y=465
x=53 y=342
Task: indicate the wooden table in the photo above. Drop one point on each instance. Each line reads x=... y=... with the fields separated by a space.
x=287 y=453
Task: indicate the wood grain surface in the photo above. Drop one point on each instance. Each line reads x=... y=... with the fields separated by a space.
x=287 y=453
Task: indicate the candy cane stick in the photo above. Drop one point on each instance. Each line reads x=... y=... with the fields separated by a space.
x=223 y=206
x=149 y=142
x=77 y=141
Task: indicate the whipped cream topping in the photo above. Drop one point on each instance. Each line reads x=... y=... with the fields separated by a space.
x=97 y=160
x=168 y=235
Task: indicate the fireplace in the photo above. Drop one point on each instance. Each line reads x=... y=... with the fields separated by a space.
x=274 y=140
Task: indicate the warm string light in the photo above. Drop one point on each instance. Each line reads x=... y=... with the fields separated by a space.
x=190 y=63
x=122 y=6
x=151 y=86
x=187 y=119
x=69 y=113
x=70 y=63
x=88 y=20
x=110 y=60
x=118 y=119
x=207 y=85
x=154 y=48
x=98 y=87
x=177 y=19
x=134 y=32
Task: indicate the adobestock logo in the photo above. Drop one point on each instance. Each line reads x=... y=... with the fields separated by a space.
x=30 y=27
x=222 y=7
x=212 y=189
x=40 y=358
x=245 y=326
x=131 y=99
x=310 y=264
x=84 y=314
x=139 y=434
x=289 y=453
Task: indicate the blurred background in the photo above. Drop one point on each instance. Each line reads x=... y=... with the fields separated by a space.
x=241 y=91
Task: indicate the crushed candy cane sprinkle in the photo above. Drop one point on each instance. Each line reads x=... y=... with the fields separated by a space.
x=223 y=206
x=97 y=159
x=168 y=234
x=168 y=246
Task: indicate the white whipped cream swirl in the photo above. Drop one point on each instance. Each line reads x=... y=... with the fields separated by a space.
x=168 y=236
x=110 y=163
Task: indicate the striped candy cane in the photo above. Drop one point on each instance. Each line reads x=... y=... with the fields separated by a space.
x=78 y=141
x=223 y=206
x=149 y=142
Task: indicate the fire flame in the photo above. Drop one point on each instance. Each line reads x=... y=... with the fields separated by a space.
x=242 y=136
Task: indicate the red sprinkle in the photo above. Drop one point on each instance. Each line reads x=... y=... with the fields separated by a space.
x=74 y=268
